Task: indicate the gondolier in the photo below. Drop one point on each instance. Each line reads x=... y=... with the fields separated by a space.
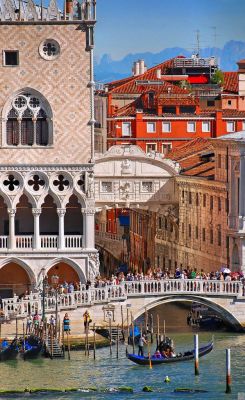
x=142 y=341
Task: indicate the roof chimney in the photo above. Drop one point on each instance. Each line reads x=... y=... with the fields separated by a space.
x=159 y=73
x=136 y=68
x=142 y=66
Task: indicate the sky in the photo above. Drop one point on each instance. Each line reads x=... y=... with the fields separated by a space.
x=132 y=26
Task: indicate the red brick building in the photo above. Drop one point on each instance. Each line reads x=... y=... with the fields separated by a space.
x=174 y=102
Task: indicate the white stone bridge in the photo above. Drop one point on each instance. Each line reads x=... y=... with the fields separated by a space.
x=226 y=298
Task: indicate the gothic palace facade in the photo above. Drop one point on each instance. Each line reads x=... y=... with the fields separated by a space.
x=46 y=172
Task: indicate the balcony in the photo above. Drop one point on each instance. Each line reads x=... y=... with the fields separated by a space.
x=26 y=242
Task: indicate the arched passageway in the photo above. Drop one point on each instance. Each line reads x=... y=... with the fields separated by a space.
x=14 y=280
x=65 y=272
x=73 y=217
x=49 y=224
x=24 y=224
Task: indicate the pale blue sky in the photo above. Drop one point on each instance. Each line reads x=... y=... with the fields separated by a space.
x=130 y=26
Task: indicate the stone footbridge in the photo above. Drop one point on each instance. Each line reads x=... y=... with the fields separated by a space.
x=103 y=303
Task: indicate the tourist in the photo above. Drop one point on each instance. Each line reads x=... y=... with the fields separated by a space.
x=142 y=341
x=86 y=320
x=29 y=323
x=66 y=324
x=36 y=321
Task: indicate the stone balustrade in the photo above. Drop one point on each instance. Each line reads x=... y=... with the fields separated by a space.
x=15 y=307
x=25 y=242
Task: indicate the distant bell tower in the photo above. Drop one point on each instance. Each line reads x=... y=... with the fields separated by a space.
x=47 y=141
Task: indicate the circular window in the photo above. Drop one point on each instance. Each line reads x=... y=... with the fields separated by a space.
x=49 y=49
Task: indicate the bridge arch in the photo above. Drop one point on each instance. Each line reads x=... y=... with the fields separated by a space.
x=210 y=302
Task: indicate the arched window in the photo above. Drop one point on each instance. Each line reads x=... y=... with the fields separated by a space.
x=28 y=121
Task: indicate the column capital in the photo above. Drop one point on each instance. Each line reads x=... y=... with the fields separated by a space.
x=11 y=211
x=36 y=211
x=88 y=211
x=61 y=211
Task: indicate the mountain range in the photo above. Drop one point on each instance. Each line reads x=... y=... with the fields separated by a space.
x=107 y=70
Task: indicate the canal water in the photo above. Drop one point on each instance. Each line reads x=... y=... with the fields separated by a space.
x=107 y=373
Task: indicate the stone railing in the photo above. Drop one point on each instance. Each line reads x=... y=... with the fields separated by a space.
x=46 y=242
x=108 y=236
x=15 y=307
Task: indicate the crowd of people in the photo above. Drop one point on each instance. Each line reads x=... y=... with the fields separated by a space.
x=160 y=274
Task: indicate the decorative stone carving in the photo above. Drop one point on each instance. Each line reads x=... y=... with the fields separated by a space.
x=31 y=12
x=53 y=11
x=90 y=183
x=88 y=211
x=61 y=211
x=36 y=211
x=126 y=167
x=11 y=211
x=94 y=266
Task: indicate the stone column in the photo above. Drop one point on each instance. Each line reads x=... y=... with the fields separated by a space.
x=36 y=212
x=11 y=240
x=61 y=241
x=88 y=228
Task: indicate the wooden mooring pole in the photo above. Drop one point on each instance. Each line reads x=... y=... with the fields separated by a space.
x=68 y=346
x=63 y=339
x=228 y=371
x=128 y=325
x=152 y=329
x=117 y=341
x=94 y=341
x=110 y=333
x=16 y=327
x=158 y=331
x=196 y=353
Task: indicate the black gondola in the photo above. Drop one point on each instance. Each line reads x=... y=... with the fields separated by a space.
x=31 y=348
x=10 y=352
x=188 y=355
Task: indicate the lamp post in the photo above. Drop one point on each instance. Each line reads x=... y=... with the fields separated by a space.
x=55 y=283
x=44 y=284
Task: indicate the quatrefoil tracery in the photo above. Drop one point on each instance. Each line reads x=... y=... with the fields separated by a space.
x=36 y=182
x=12 y=183
x=61 y=183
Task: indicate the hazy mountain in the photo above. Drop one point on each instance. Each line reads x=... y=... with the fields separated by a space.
x=107 y=69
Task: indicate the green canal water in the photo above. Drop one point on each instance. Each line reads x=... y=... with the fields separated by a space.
x=109 y=373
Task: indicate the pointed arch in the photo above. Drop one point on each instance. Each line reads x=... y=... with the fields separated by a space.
x=34 y=112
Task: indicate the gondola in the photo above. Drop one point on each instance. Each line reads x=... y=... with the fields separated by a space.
x=32 y=348
x=10 y=352
x=188 y=355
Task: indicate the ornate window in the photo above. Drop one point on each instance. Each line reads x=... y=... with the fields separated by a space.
x=49 y=49
x=28 y=121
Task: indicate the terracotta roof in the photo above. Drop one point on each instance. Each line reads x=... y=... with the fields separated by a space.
x=119 y=82
x=196 y=146
x=205 y=169
x=233 y=113
x=133 y=86
x=230 y=82
x=194 y=158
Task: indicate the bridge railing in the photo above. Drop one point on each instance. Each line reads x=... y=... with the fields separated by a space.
x=15 y=307
x=184 y=286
